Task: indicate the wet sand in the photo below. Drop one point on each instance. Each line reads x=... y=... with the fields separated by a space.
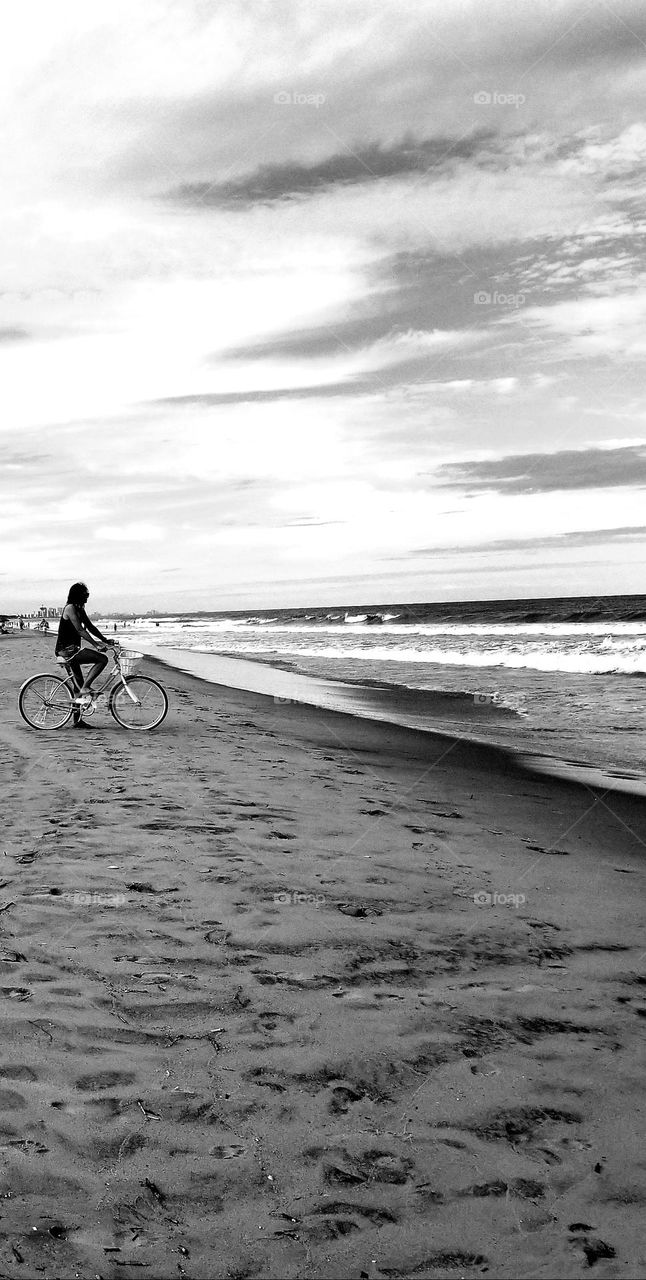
x=289 y=993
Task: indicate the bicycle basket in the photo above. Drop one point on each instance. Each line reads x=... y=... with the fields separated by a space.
x=129 y=661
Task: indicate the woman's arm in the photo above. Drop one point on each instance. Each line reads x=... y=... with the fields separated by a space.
x=82 y=624
x=89 y=626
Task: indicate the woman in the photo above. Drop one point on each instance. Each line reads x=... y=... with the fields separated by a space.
x=73 y=628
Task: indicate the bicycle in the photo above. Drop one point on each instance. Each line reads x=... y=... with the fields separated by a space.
x=135 y=702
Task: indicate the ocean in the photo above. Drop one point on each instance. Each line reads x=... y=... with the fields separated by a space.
x=562 y=678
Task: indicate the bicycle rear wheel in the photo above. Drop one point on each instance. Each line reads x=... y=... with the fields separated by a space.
x=45 y=702
x=147 y=711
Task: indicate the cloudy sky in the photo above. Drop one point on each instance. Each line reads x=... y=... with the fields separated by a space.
x=310 y=301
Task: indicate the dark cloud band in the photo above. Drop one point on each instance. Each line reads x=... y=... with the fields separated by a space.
x=549 y=472
x=344 y=168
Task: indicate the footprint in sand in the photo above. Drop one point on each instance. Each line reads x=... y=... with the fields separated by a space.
x=518 y=1125
x=343 y=1095
x=98 y=1108
x=524 y=1188
x=269 y=1019
x=17 y=1072
x=11 y=1101
x=104 y=1080
x=340 y=1168
x=363 y=999
x=305 y=981
x=341 y=1217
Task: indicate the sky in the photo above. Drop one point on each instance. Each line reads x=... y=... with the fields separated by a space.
x=308 y=303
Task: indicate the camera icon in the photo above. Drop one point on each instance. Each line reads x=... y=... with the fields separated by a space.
x=283 y=98
x=482 y=299
x=482 y=899
x=482 y=99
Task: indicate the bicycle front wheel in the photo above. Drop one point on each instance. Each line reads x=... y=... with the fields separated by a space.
x=141 y=704
x=45 y=702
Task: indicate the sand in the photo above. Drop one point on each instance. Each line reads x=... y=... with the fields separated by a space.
x=256 y=1022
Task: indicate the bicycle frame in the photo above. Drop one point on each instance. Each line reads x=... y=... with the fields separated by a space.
x=116 y=674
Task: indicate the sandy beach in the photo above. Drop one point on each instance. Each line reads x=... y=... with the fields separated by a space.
x=289 y=993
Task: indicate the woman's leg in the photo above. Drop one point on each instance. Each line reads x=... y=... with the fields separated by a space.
x=77 y=671
x=98 y=660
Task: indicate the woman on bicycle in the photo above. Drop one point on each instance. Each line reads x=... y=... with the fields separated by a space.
x=73 y=629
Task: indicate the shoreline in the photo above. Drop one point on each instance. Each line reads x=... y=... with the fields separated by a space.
x=363 y=701
x=285 y=995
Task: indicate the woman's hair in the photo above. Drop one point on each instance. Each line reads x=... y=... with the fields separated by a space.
x=77 y=593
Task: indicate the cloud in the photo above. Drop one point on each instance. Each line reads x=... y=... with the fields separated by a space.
x=309 y=523
x=378 y=68
x=13 y=335
x=401 y=304
x=612 y=324
x=312 y=343
x=548 y=472
x=22 y=460
x=403 y=293
x=558 y=541
x=470 y=204
x=367 y=164
x=378 y=367
x=267 y=395
x=139 y=531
